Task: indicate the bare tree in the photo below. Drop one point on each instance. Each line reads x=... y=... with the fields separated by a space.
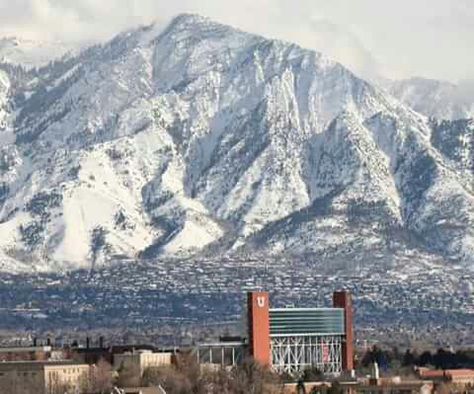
x=99 y=380
x=128 y=376
x=168 y=377
x=187 y=376
x=253 y=378
x=103 y=377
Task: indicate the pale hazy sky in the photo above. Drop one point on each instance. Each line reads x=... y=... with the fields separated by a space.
x=400 y=38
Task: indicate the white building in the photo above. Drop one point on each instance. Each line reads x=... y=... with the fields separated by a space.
x=141 y=360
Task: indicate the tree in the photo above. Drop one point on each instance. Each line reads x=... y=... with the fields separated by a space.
x=99 y=380
x=187 y=376
x=312 y=374
x=101 y=377
x=396 y=354
x=425 y=359
x=188 y=366
x=335 y=389
x=443 y=359
x=128 y=376
x=408 y=359
x=253 y=378
x=300 y=387
x=172 y=380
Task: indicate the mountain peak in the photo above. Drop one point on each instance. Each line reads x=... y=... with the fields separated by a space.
x=193 y=22
x=189 y=18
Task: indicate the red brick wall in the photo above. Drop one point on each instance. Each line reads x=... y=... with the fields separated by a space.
x=343 y=299
x=259 y=326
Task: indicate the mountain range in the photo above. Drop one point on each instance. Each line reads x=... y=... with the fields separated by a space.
x=203 y=140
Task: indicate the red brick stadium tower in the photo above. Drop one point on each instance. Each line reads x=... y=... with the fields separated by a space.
x=259 y=326
x=343 y=299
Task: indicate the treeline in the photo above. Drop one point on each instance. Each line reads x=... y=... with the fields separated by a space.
x=186 y=376
x=441 y=359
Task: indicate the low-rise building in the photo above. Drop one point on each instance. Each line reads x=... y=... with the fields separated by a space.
x=141 y=359
x=41 y=377
x=461 y=376
x=362 y=386
x=458 y=377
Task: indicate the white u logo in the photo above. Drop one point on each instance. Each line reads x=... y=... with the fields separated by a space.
x=261 y=301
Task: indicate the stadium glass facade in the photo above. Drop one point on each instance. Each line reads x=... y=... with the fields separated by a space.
x=304 y=338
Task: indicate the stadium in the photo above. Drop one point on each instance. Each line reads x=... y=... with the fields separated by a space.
x=291 y=340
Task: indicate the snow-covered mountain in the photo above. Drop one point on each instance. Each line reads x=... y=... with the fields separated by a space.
x=203 y=139
x=439 y=99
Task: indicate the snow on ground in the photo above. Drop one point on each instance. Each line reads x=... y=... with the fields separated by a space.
x=4 y=90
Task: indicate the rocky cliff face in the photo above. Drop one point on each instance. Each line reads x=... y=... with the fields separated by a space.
x=202 y=139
